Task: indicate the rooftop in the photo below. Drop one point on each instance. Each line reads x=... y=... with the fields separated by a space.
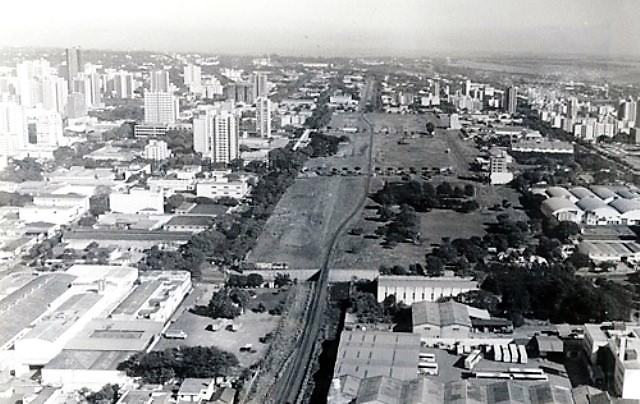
x=190 y=221
x=88 y=359
x=440 y=314
x=23 y=306
x=111 y=335
x=378 y=353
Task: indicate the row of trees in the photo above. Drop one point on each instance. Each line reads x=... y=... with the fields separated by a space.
x=423 y=196
x=160 y=366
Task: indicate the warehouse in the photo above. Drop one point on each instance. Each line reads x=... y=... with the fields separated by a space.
x=629 y=210
x=582 y=192
x=441 y=320
x=614 y=251
x=411 y=289
x=559 y=192
x=596 y=212
x=562 y=209
x=604 y=193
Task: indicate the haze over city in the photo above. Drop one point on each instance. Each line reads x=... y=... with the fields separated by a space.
x=331 y=27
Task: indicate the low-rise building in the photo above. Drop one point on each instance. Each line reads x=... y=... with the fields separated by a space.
x=448 y=320
x=137 y=200
x=193 y=390
x=225 y=185
x=412 y=289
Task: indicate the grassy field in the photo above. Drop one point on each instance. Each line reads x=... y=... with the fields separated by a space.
x=300 y=227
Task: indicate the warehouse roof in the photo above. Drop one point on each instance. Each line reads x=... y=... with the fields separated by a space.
x=190 y=221
x=556 y=204
x=625 y=205
x=405 y=280
x=603 y=192
x=23 y=306
x=88 y=360
x=110 y=335
x=558 y=192
x=581 y=192
x=55 y=324
x=378 y=353
x=440 y=314
x=593 y=204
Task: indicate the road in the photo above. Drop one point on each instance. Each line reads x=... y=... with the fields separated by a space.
x=453 y=139
x=290 y=386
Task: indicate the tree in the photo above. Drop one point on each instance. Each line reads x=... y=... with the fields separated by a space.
x=565 y=229
x=222 y=305
x=108 y=394
x=160 y=366
x=579 y=260
x=281 y=280
x=434 y=266
x=430 y=127
x=173 y=202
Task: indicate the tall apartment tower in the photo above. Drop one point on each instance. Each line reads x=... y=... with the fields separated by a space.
x=74 y=65
x=572 y=107
x=263 y=117
x=160 y=108
x=216 y=136
x=260 y=84
x=511 y=103
x=160 y=81
x=193 y=78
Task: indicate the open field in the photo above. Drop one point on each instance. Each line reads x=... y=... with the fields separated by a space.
x=254 y=326
x=351 y=154
x=300 y=227
x=417 y=151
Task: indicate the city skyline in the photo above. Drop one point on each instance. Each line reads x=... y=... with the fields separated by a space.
x=332 y=28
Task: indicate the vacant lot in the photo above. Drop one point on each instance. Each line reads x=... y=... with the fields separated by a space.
x=300 y=228
x=254 y=326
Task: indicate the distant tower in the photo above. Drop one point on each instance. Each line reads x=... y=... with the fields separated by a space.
x=193 y=78
x=263 y=117
x=260 y=85
x=160 y=81
x=511 y=103
x=572 y=107
x=74 y=65
x=467 y=88
x=160 y=108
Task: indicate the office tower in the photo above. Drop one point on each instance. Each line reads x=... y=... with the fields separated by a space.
x=123 y=86
x=160 y=108
x=637 y=125
x=436 y=88
x=260 y=85
x=213 y=88
x=74 y=65
x=193 y=78
x=572 y=107
x=156 y=150
x=89 y=86
x=240 y=92
x=511 y=102
x=263 y=117
x=215 y=135
x=76 y=106
x=13 y=128
x=160 y=81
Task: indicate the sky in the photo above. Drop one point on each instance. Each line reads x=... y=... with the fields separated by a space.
x=328 y=27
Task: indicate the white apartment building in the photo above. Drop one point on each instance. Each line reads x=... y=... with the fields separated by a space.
x=263 y=117
x=226 y=184
x=160 y=107
x=156 y=150
x=216 y=136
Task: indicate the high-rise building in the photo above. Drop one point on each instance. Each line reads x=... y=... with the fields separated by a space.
x=156 y=150
x=193 y=78
x=572 y=107
x=467 y=88
x=216 y=136
x=511 y=102
x=13 y=128
x=160 y=107
x=54 y=93
x=44 y=128
x=123 y=85
x=74 y=65
x=263 y=117
x=160 y=81
x=240 y=92
x=627 y=110
x=260 y=84
x=638 y=113
x=89 y=86
x=76 y=106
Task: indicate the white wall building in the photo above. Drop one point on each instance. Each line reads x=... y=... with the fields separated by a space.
x=156 y=150
x=160 y=108
x=137 y=201
x=411 y=289
x=263 y=117
x=223 y=184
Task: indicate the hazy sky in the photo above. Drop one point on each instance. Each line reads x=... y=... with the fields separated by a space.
x=327 y=27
